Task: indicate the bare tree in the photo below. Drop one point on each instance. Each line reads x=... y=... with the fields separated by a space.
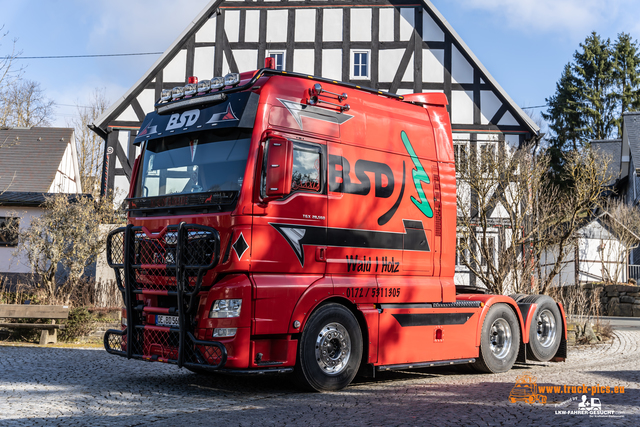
x=586 y=176
x=8 y=72
x=24 y=104
x=67 y=233
x=517 y=228
x=90 y=146
x=497 y=224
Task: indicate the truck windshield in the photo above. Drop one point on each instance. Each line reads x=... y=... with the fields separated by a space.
x=198 y=162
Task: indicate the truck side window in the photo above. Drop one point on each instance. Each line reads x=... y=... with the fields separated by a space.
x=307 y=174
x=306 y=171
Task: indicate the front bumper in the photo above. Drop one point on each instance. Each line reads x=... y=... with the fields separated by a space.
x=161 y=345
x=204 y=355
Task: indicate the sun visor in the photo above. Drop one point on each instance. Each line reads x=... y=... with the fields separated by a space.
x=238 y=110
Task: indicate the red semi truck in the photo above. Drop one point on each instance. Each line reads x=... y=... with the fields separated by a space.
x=281 y=223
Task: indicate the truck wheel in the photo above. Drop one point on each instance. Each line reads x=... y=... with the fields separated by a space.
x=499 y=340
x=545 y=332
x=329 y=350
x=518 y=297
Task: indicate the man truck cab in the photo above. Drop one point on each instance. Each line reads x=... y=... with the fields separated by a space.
x=281 y=223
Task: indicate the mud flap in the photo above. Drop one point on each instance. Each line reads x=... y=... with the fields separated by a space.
x=522 y=354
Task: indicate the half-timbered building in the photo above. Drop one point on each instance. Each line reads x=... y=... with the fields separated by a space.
x=401 y=46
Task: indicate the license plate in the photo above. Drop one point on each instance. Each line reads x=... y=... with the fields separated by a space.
x=162 y=320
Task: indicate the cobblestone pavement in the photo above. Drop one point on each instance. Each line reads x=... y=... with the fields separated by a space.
x=69 y=387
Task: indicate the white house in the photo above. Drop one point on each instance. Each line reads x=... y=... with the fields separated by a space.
x=600 y=254
x=34 y=163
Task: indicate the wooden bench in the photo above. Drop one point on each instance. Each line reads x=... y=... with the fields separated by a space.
x=49 y=333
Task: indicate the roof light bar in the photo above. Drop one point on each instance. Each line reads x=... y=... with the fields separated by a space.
x=217 y=83
x=190 y=89
x=166 y=95
x=204 y=86
x=231 y=79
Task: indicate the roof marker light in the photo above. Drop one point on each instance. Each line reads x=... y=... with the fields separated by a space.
x=193 y=80
x=204 y=86
x=166 y=95
x=231 y=79
x=217 y=83
x=190 y=89
x=177 y=93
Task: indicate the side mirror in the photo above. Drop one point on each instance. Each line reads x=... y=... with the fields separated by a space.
x=278 y=164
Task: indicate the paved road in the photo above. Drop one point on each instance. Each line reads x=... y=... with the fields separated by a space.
x=623 y=323
x=69 y=387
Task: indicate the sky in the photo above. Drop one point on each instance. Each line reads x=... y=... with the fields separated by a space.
x=523 y=43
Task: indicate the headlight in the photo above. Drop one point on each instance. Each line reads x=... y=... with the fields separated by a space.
x=225 y=308
x=224 y=332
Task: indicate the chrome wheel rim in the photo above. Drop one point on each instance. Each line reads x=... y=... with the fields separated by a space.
x=333 y=348
x=546 y=328
x=500 y=338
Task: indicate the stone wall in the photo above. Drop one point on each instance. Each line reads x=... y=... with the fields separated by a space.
x=617 y=300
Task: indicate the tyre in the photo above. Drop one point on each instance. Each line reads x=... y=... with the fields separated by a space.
x=499 y=340
x=518 y=297
x=330 y=349
x=545 y=332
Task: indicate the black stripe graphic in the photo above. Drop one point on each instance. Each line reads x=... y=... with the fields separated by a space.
x=432 y=319
x=298 y=236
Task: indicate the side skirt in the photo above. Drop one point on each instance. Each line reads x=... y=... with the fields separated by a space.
x=423 y=365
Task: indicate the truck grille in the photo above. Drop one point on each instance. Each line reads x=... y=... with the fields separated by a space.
x=154 y=259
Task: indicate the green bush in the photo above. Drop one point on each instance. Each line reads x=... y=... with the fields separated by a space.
x=78 y=325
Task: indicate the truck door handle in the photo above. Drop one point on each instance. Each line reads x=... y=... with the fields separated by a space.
x=321 y=254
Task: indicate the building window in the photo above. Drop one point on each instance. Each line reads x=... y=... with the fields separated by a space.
x=279 y=59
x=487 y=156
x=461 y=156
x=9 y=231
x=360 y=61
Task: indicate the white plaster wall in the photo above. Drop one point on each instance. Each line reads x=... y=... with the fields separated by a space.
x=207 y=34
x=461 y=107
x=252 y=27
x=461 y=70
x=332 y=26
x=203 y=62
x=123 y=139
x=65 y=179
x=305 y=25
x=407 y=23
x=175 y=71
x=246 y=60
x=303 y=61
x=121 y=189
x=147 y=100
x=388 y=64
x=232 y=25
x=433 y=65
x=277 y=26
x=508 y=120
x=361 y=25
x=386 y=24
x=19 y=263
x=431 y=32
x=490 y=105
x=332 y=64
x=129 y=115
